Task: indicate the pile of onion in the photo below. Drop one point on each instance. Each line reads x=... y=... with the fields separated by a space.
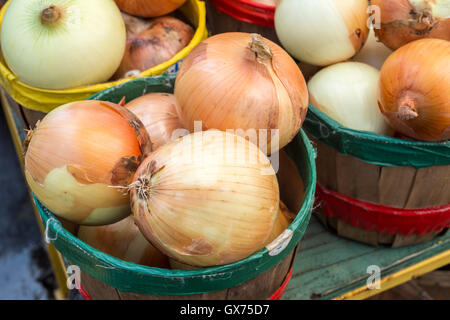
x=322 y=32
x=158 y=113
x=81 y=156
x=414 y=90
x=124 y=241
x=60 y=44
x=209 y=198
x=245 y=83
x=150 y=43
x=347 y=93
x=403 y=21
x=149 y=8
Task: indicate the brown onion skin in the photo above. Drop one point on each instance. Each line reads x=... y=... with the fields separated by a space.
x=158 y=113
x=149 y=8
x=247 y=101
x=158 y=43
x=413 y=90
x=401 y=23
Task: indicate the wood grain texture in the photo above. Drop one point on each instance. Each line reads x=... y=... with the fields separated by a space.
x=395 y=185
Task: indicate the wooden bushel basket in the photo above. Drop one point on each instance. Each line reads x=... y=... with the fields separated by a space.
x=263 y=275
x=371 y=202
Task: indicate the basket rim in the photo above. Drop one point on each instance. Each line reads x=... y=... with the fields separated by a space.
x=351 y=142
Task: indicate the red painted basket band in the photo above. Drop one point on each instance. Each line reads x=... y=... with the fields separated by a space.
x=247 y=11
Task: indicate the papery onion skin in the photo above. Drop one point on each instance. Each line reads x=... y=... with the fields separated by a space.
x=81 y=158
x=158 y=113
x=414 y=90
x=83 y=46
x=403 y=21
x=149 y=8
x=203 y=199
x=227 y=85
x=347 y=93
x=322 y=32
x=159 y=42
x=283 y=221
x=123 y=240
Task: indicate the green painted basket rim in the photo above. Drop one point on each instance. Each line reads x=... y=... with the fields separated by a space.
x=113 y=271
x=374 y=148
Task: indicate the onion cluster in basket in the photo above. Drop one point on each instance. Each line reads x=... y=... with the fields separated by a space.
x=410 y=95
x=56 y=44
x=194 y=167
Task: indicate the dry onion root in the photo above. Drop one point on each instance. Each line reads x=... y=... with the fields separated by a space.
x=149 y=8
x=403 y=21
x=414 y=90
x=150 y=43
x=158 y=113
x=124 y=241
x=80 y=158
x=245 y=83
x=209 y=198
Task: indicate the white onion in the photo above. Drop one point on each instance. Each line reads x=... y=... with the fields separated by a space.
x=322 y=32
x=60 y=44
x=347 y=92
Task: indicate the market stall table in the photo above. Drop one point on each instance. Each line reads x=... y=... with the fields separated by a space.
x=326 y=267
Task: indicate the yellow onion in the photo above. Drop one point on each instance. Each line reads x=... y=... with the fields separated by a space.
x=373 y=53
x=209 y=198
x=81 y=156
x=414 y=90
x=322 y=32
x=123 y=240
x=284 y=219
x=60 y=44
x=245 y=83
x=151 y=44
x=149 y=8
x=158 y=113
x=347 y=93
x=403 y=21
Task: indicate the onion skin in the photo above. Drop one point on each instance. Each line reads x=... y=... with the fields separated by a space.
x=77 y=153
x=123 y=240
x=158 y=113
x=414 y=91
x=149 y=8
x=328 y=31
x=347 y=93
x=159 y=42
x=243 y=81
x=77 y=43
x=284 y=219
x=373 y=53
x=197 y=205
x=403 y=21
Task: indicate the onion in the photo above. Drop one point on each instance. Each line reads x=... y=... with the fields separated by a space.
x=149 y=8
x=209 y=198
x=322 y=32
x=60 y=44
x=80 y=156
x=373 y=53
x=162 y=39
x=284 y=219
x=414 y=90
x=403 y=21
x=246 y=83
x=347 y=92
x=124 y=241
x=158 y=113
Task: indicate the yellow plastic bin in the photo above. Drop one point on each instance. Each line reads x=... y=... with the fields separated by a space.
x=45 y=100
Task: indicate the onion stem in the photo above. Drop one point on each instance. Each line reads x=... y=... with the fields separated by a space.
x=260 y=48
x=50 y=15
x=407 y=110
